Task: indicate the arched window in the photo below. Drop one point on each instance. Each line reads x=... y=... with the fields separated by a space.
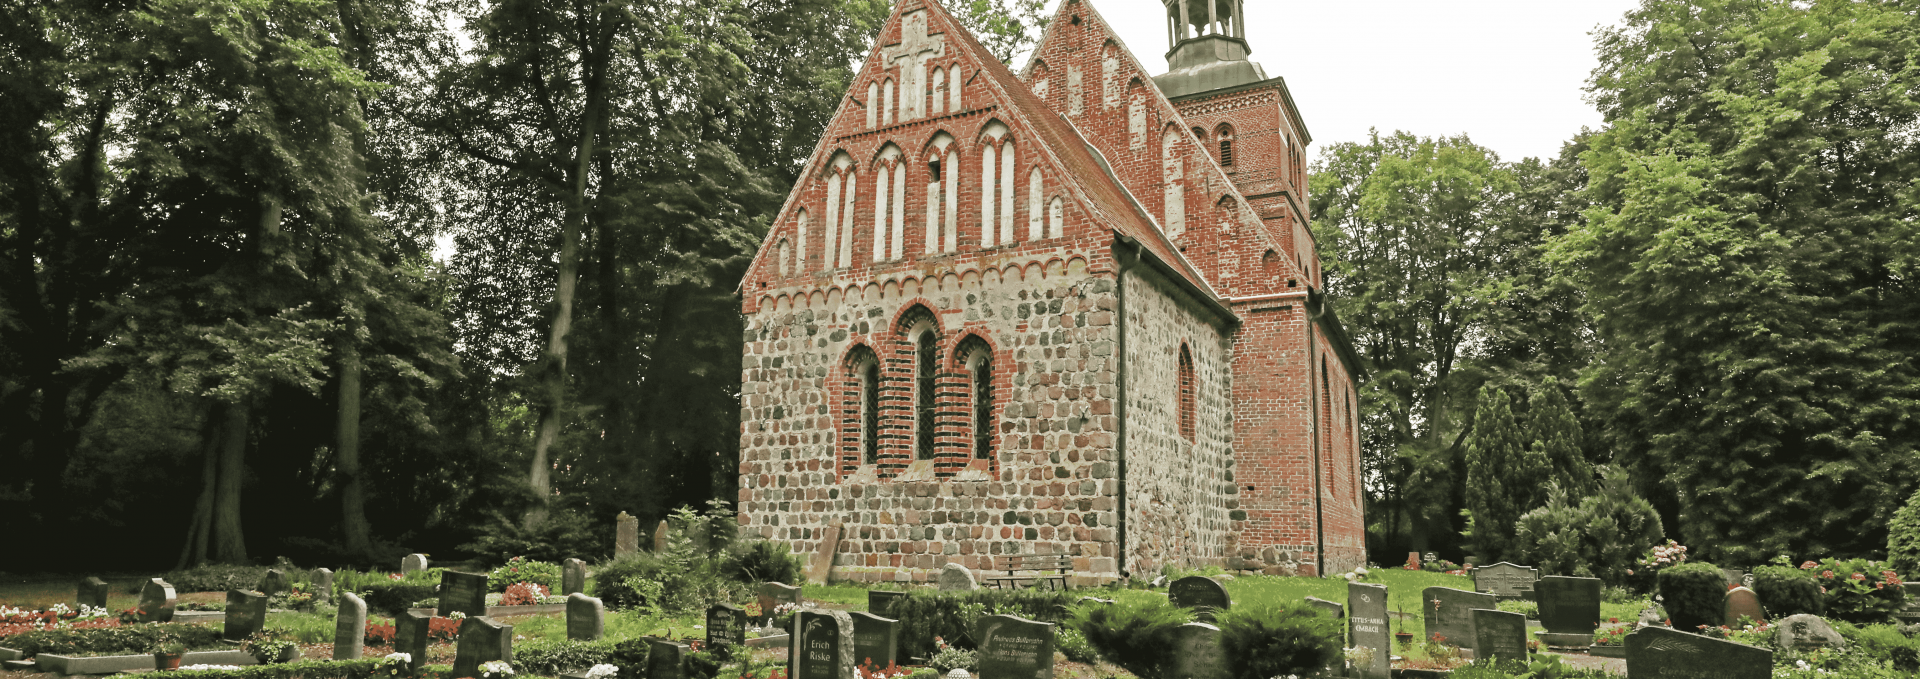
x=1110 y=75
x=1056 y=218
x=863 y=370
x=996 y=186
x=938 y=90
x=800 y=243
x=1200 y=135
x=873 y=105
x=954 y=86
x=1174 y=176
x=1226 y=146
x=1041 y=80
x=1036 y=218
x=782 y=254
x=1270 y=267
x=1188 y=385
x=887 y=112
x=922 y=332
x=977 y=358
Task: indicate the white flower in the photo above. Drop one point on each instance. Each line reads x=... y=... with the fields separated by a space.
x=402 y=657
x=602 y=671
x=202 y=668
x=456 y=615
x=496 y=668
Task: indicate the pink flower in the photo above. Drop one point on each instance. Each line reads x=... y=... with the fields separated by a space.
x=1857 y=576
x=1810 y=565
x=1827 y=574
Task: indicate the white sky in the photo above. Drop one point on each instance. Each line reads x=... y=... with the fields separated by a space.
x=1509 y=73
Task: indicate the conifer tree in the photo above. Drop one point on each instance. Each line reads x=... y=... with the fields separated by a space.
x=1556 y=439
x=1502 y=474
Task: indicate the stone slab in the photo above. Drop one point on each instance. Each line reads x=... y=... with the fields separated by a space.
x=1334 y=608
x=410 y=636
x=92 y=592
x=323 y=584
x=1576 y=641
x=1367 y=627
x=1197 y=653
x=955 y=577
x=820 y=566
x=726 y=625
x=876 y=640
x=666 y=659
x=1668 y=654
x=463 y=593
x=1740 y=602
x=1805 y=632
x=626 y=535
x=199 y=617
x=246 y=614
x=662 y=537
x=773 y=594
x=822 y=646
x=12 y=654
x=1568 y=605
x=1015 y=648
x=482 y=640
x=412 y=563
x=1505 y=580
x=157 y=601
x=1204 y=595
x=586 y=618
x=881 y=602
x=573 y=576
x=1448 y=613
x=1499 y=635
x=114 y=664
x=350 y=628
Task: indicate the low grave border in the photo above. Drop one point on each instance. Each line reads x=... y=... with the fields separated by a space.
x=110 y=664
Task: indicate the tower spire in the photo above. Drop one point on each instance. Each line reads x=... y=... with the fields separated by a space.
x=1208 y=47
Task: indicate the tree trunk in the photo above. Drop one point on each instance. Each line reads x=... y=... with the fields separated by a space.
x=353 y=498
x=194 y=552
x=229 y=546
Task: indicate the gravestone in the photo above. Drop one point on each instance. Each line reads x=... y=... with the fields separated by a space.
x=275 y=582
x=1806 y=632
x=93 y=592
x=666 y=659
x=1367 y=626
x=323 y=584
x=881 y=603
x=1569 y=610
x=410 y=636
x=586 y=617
x=876 y=640
x=1910 y=613
x=955 y=577
x=772 y=594
x=726 y=625
x=822 y=646
x=463 y=592
x=1743 y=602
x=1448 y=613
x=246 y=613
x=157 y=601
x=1505 y=580
x=1333 y=608
x=573 y=576
x=350 y=628
x=1203 y=595
x=1499 y=635
x=1015 y=648
x=662 y=536
x=413 y=563
x=1670 y=654
x=482 y=640
x=820 y=567
x=626 y=535
x=1413 y=561
x=1197 y=653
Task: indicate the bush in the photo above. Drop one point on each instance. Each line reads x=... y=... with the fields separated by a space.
x=1276 y=640
x=388 y=595
x=925 y=673
x=1527 y=608
x=672 y=583
x=763 y=561
x=130 y=639
x=302 y=669
x=523 y=594
x=566 y=533
x=1694 y=594
x=1883 y=642
x=521 y=569
x=630 y=655
x=1861 y=591
x=550 y=657
x=950 y=659
x=1903 y=536
x=1599 y=538
x=1136 y=635
x=1071 y=643
x=1786 y=590
x=216 y=578
x=927 y=614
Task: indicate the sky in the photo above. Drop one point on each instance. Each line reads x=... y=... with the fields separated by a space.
x=1509 y=73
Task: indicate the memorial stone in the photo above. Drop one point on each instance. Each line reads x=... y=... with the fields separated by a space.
x=1670 y=654
x=1197 y=653
x=1367 y=626
x=1806 y=632
x=1505 y=580
x=662 y=538
x=666 y=659
x=350 y=628
x=820 y=567
x=1413 y=561
x=93 y=592
x=482 y=640
x=573 y=576
x=323 y=585
x=410 y=636
x=1499 y=635
x=626 y=535
x=275 y=582
x=1743 y=602
x=955 y=577
x=1569 y=610
x=157 y=601
x=773 y=594
x=726 y=625
x=1338 y=611
x=413 y=563
x=876 y=640
x=822 y=645
x=1203 y=595
x=463 y=592
x=1448 y=613
x=1015 y=648
x=881 y=602
x=246 y=613
x=586 y=617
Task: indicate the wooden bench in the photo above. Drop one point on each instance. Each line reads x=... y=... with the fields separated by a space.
x=1061 y=566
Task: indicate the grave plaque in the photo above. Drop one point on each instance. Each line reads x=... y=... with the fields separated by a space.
x=876 y=640
x=410 y=636
x=463 y=592
x=1332 y=608
x=156 y=601
x=666 y=659
x=93 y=592
x=1367 y=626
x=1805 y=632
x=1505 y=580
x=482 y=640
x=773 y=594
x=1499 y=635
x=1669 y=654
x=626 y=535
x=573 y=576
x=350 y=628
x=1448 y=613
x=1910 y=613
x=246 y=612
x=275 y=582
x=413 y=562
x=955 y=577
x=323 y=584
x=881 y=603
x=1568 y=605
x=1203 y=595
x=1743 y=602
x=726 y=625
x=821 y=646
x=820 y=567
x=586 y=617
x=1015 y=648
x=1197 y=654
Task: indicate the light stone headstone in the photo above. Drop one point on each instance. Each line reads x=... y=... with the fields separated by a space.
x=1499 y=635
x=350 y=628
x=881 y=602
x=463 y=592
x=662 y=537
x=666 y=659
x=955 y=578
x=586 y=617
x=273 y=583
x=1197 y=653
x=773 y=594
x=93 y=592
x=821 y=646
x=411 y=635
x=1670 y=654
x=820 y=567
x=573 y=576
x=323 y=585
x=246 y=614
x=482 y=640
x=1367 y=626
x=1015 y=648
x=1204 y=595
x=1806 y=632
x=1448 y=613
x=626 y=535
x=726 y=625
x=1743 y=602
x=876 y=640
x=157 y=601
x=1569 y=610
x=1505 y=580
x=413 y=563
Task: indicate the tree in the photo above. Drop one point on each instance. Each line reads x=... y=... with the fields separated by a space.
x=1504 y=475
x=1554 y=436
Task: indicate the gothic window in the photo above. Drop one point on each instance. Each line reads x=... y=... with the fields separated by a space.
x=1226 y=146
x=996 y=186
x=953 y=89
x=977 y=358
x=925 y=404
x=1174 y=176
x=938 y=90
x=873 y=105
x=887 y=111
x=1110 y=75
x=1200 y=135
x=941 y=200
x=1270 y=267
x=1035 y=211
x=782 y=255
x=881 y=192
x=1056 y=217
x=1187 y=396
x=836 y=249
x=800 y=243
x=1076 y=97
x=1042 y=80
x=889 y=211
x=1006 y=192
x=863 y=368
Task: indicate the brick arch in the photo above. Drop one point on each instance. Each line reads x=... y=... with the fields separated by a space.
x=1189 y=394
x=984 y=382
x=912 y=314
x=855 y=392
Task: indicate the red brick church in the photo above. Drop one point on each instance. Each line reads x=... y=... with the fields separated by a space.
x=1071 y=310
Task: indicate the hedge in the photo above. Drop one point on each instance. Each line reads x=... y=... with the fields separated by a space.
x=1695 y=594
x=950 y=615
x=1786 y=590
x=303 y=669
x=96 y=640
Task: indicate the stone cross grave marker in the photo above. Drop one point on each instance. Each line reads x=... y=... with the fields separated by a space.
x=1499 y=635
x=1333 y=608
x=955 y=577
x=1203 y=595
x=726 y=625
x=573 y=576
x=586 y=617
x=93 y=592
x=915 y=50
x=246 y=612
x=350 y=628
x=1805 y=632
x=772 y=594
x=822 y=645
x=157 y=601
x=1670 y=654
x=413 y=562
x=820 y=567
x=626 y=535
x=323 y=584
x=1015 y=648
x=876 y=640
x=410 y=636
x=1743 y=602
x=274 y=582
x=666 y=659
x=1197 y=654
x=1448 y=613
x=1367 y=626
x=881 y=602
x=1569 y=610
x=662 y=537
x=482 y=640
x=1505 y=580
x=463 y=592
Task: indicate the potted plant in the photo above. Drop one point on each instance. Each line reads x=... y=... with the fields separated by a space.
x=167 y=652
x=1400 y=633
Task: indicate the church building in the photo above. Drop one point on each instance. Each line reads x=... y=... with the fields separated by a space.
x=1071 y=310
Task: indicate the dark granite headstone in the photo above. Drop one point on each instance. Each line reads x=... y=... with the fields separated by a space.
x=573 y=576
x=1197 y=653
x=1203 y=595
x=1448 y=613
x=726 y=625
x=1568 y=605
x=1805 y=632
x=156 y=601
x=1499 y=635
x=626 y=535
x=821 y=646
x=275 y=582
x=482 y=640
x=463 y=592
x=323 y=584
x=246 y=613
x=666 y=659
x=1505 y=580
x=410 y=636
x=1015 y=648
x=350 y=628
x=1367 y=626
x=93 y=592
x=1332 y=608
x=1743 y=602
x=876 y=640
x=586 y=617
x=773 y=594
x=881 y=602
x=1669 y=654
x=1910 y=613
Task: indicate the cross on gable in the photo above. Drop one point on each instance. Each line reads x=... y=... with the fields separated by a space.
x=914 y=41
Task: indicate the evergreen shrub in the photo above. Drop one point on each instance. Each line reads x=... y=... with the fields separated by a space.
x=950 y=659
x=301 y=669
x=1599 y=538
x=925 y=615
x=1695 y=594
x=1136 y=635
x=521 y=569
x=1903 y=536
x=1071 y=643
x=763 y=561
x=1262 y=641
x=671 y=583
x=216 y=578
x=1785 y=590
x=125 y=639
x=550 y=657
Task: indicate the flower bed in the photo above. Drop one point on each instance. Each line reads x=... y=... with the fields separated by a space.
x=305 y=669
x=124 y=639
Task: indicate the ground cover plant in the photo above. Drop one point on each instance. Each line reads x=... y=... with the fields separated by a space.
x=1136 y=634
x=928 y=615
x=117 y=640
x=1261 y=641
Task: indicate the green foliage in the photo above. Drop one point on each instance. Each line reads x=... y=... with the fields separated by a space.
x=389 y=596
x=950 y=659
x=925 y=673
x=764 y=561
x=1786 y=590
x=1601 y=537
x=565 y=533
x=549 y=657
x=521 y=569
x=1903 y=536
x=1694 y=594
x=1523 y=607
x=630 y=655
x=1071 y=643
x=215 y=578
x=128 y=639
x=1883 y=642
x=1861 y=591
x=1504 y=475
x=1555 y=437
x=951 y=616
x=1549 y=667
x=299 y=669
x=1278 y=639
x=1005 y=27
x=1137 y=635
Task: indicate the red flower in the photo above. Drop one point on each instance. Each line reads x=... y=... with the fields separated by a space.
x=1857 y=576
x=1613 y=620
x=1810 y=565
x=1827 y=574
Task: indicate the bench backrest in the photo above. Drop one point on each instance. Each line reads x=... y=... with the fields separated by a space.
x=1036 y=562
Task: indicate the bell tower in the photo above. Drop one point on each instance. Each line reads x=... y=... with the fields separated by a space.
x=1209 y=47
